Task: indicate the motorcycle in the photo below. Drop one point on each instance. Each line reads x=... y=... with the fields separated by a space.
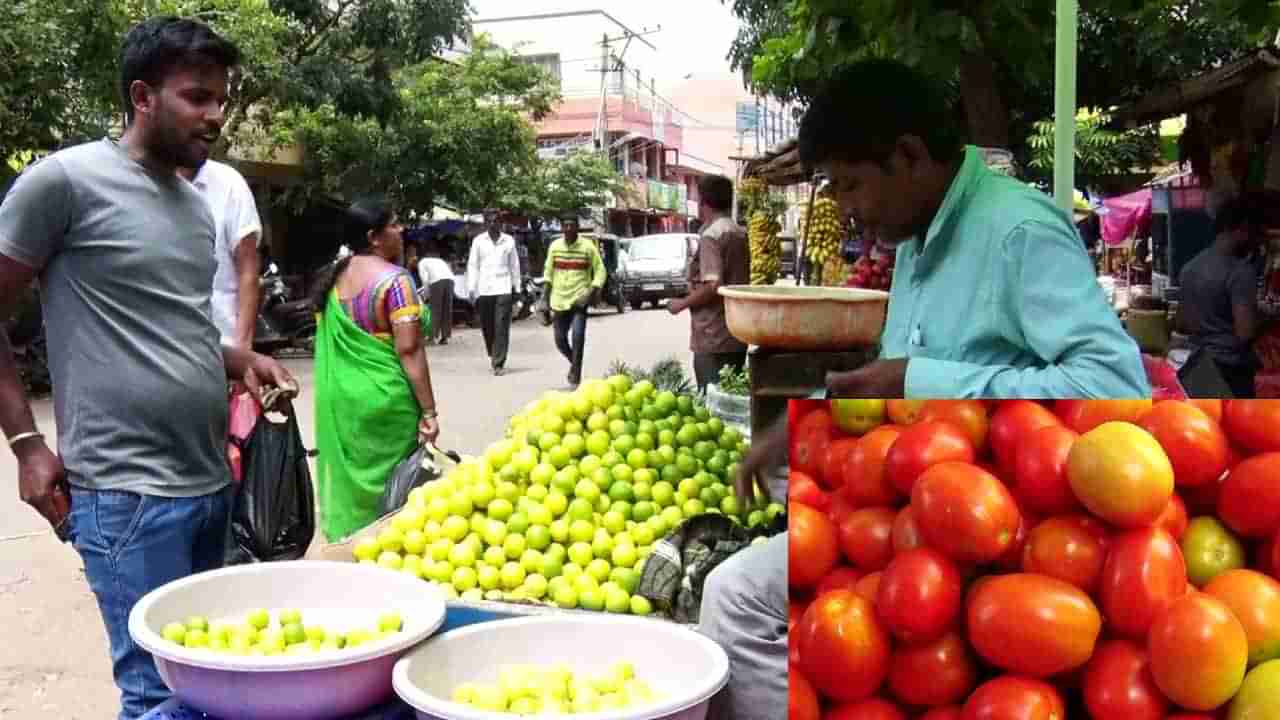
x=542 y=303
x=526 y=301
x=283 y=323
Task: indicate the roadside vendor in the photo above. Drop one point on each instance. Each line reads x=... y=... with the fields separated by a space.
x=993 y=293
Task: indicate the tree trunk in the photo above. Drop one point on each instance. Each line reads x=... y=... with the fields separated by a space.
x=984 y=106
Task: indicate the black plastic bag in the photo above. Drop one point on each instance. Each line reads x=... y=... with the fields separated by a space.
x=274 y=515
x=420 y=468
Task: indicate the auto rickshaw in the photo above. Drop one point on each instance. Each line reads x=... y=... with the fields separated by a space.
x=611 y=254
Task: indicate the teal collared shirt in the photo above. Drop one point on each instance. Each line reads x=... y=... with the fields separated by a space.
x=1000 y=300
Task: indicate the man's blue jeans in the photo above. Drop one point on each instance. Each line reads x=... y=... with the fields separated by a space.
x=571 y=339
x=132 y=544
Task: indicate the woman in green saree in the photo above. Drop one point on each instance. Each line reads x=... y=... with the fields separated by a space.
x=374 y=402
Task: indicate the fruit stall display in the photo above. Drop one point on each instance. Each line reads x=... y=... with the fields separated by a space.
x=565 y=509
x=761 y=211
x=822 y=232
x=1020 y=559
x=872 y=272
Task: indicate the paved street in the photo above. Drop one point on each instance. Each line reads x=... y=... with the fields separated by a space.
x=54 y=662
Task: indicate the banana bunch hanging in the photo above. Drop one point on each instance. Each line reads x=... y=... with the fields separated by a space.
x=825 y=232
x=766 y=248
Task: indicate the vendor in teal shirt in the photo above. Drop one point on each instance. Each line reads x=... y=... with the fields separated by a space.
x=993 y=292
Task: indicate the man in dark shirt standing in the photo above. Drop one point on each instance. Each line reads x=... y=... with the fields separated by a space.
x=722 y=259
x=1219 y=296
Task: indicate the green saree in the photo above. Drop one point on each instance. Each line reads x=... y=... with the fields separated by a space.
x=366 y=420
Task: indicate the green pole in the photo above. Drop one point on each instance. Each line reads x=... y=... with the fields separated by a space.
x=1064 y=141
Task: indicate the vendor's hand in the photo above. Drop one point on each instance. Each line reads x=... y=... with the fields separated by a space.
x=265 y=372
x=885 y=379
x=42 y=481
x=676 y=306
x=428 y=429
x=767 y=454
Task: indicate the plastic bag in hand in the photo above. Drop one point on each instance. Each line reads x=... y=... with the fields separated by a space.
x=274 y=515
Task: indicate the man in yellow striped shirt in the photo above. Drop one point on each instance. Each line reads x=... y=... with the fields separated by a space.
x=575 y=274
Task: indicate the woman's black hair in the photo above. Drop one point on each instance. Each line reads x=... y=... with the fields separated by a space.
x=864 y=109
x=363 y=217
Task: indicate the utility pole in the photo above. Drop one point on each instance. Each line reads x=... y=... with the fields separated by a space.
x=602 y=119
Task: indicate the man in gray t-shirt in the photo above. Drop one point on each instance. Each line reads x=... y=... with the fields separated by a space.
x=1218 y=297
x=124 y=250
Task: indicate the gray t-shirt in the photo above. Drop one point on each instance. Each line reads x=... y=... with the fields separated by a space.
x=127 y=264
x=1211 y=285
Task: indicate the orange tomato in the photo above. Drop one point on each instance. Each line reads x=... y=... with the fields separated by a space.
x=1196 y=445
x=1212 y=408
x=865 y=480
x=968 y=415
x=1254 y=599
x=905 y=412
x=844 y=651
x=1085 y=415
x=1198 y=652
x=1249 y=501
x=965 y=512
x=1032 y=624
x=1071 y=548
x=1253 y=424
x=1174 y=518
x=812 y=546
x=1121 y=474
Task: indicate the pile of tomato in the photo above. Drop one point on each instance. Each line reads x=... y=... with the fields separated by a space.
x=1020 y=560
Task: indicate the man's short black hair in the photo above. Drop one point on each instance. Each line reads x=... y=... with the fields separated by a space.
x=1242 y=211
x=716 y=192
x=859 y=115
x=155 y=47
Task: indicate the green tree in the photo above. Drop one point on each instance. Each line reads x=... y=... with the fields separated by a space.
x=997 y=55
x=582 y=179
x=1099 y=151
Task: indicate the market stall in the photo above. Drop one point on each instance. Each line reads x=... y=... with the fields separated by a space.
x=1093 y=559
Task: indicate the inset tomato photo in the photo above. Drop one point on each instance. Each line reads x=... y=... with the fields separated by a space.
x=1047 y=559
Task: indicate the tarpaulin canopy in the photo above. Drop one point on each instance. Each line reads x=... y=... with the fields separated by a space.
x=1126 y=216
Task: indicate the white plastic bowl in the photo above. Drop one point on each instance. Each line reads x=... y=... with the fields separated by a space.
x=677 y=662
x=317 y=686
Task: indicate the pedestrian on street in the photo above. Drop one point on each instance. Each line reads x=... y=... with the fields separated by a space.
x=123 y=248
x=374 y=400
x=575 y=274
x=437 y=278
x=493 y=279
x=721 y=258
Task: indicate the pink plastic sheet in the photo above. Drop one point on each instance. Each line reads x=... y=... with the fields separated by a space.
x=1126 y=215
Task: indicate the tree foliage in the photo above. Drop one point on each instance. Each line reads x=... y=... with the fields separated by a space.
x=997 y=55
x=1099 y=151
x=554 y=186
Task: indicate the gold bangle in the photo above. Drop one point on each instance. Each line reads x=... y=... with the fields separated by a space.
x=24 y=436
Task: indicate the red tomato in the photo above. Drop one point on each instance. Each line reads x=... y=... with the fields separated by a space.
x=812 y=546
x=1071 y=548
x=922 y=446
x=869 y=586
x=843 y=649
x=866 y=538
x=833 y=461
x=1201 y=500
x=1118 y=684
x=951 y=712
x=1121 y=474
x=1011 y=560
x=1198 y=652
x=965 y=512
x=1254 y=599
x=804 y=490
x=1249 y=502
x=865 y=480
x=802 y=699
x=1040 y=471
x=905 y=412
x=813 y=433
x=841 y=507
x=1174 y=518
x=1253 y=424
x=967 y=415
x=941 y=672
x=919 y=596
x=1196 y=445
x=842 y=577
x=1011 y=424
x=1010 y=697
x=1275 y=556
x=795 y=611
x=1085 y=415
x=1144 y=573
x=873 y=709
x=1212 y=408
x=1032 y=624
x=906 y=534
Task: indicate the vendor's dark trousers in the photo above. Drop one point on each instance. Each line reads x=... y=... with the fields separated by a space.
x=442 y=309
x=571 y=339
x=1240 y=378
x=706 y=366
x=495 y=322
x=132 y=544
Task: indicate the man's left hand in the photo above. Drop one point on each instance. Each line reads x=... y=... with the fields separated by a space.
x=267 y=372
x=880 y=379
x=677 y=306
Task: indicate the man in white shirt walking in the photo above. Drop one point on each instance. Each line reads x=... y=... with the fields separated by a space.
x=238 y=227
x=437 y=278
x=493 y=279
